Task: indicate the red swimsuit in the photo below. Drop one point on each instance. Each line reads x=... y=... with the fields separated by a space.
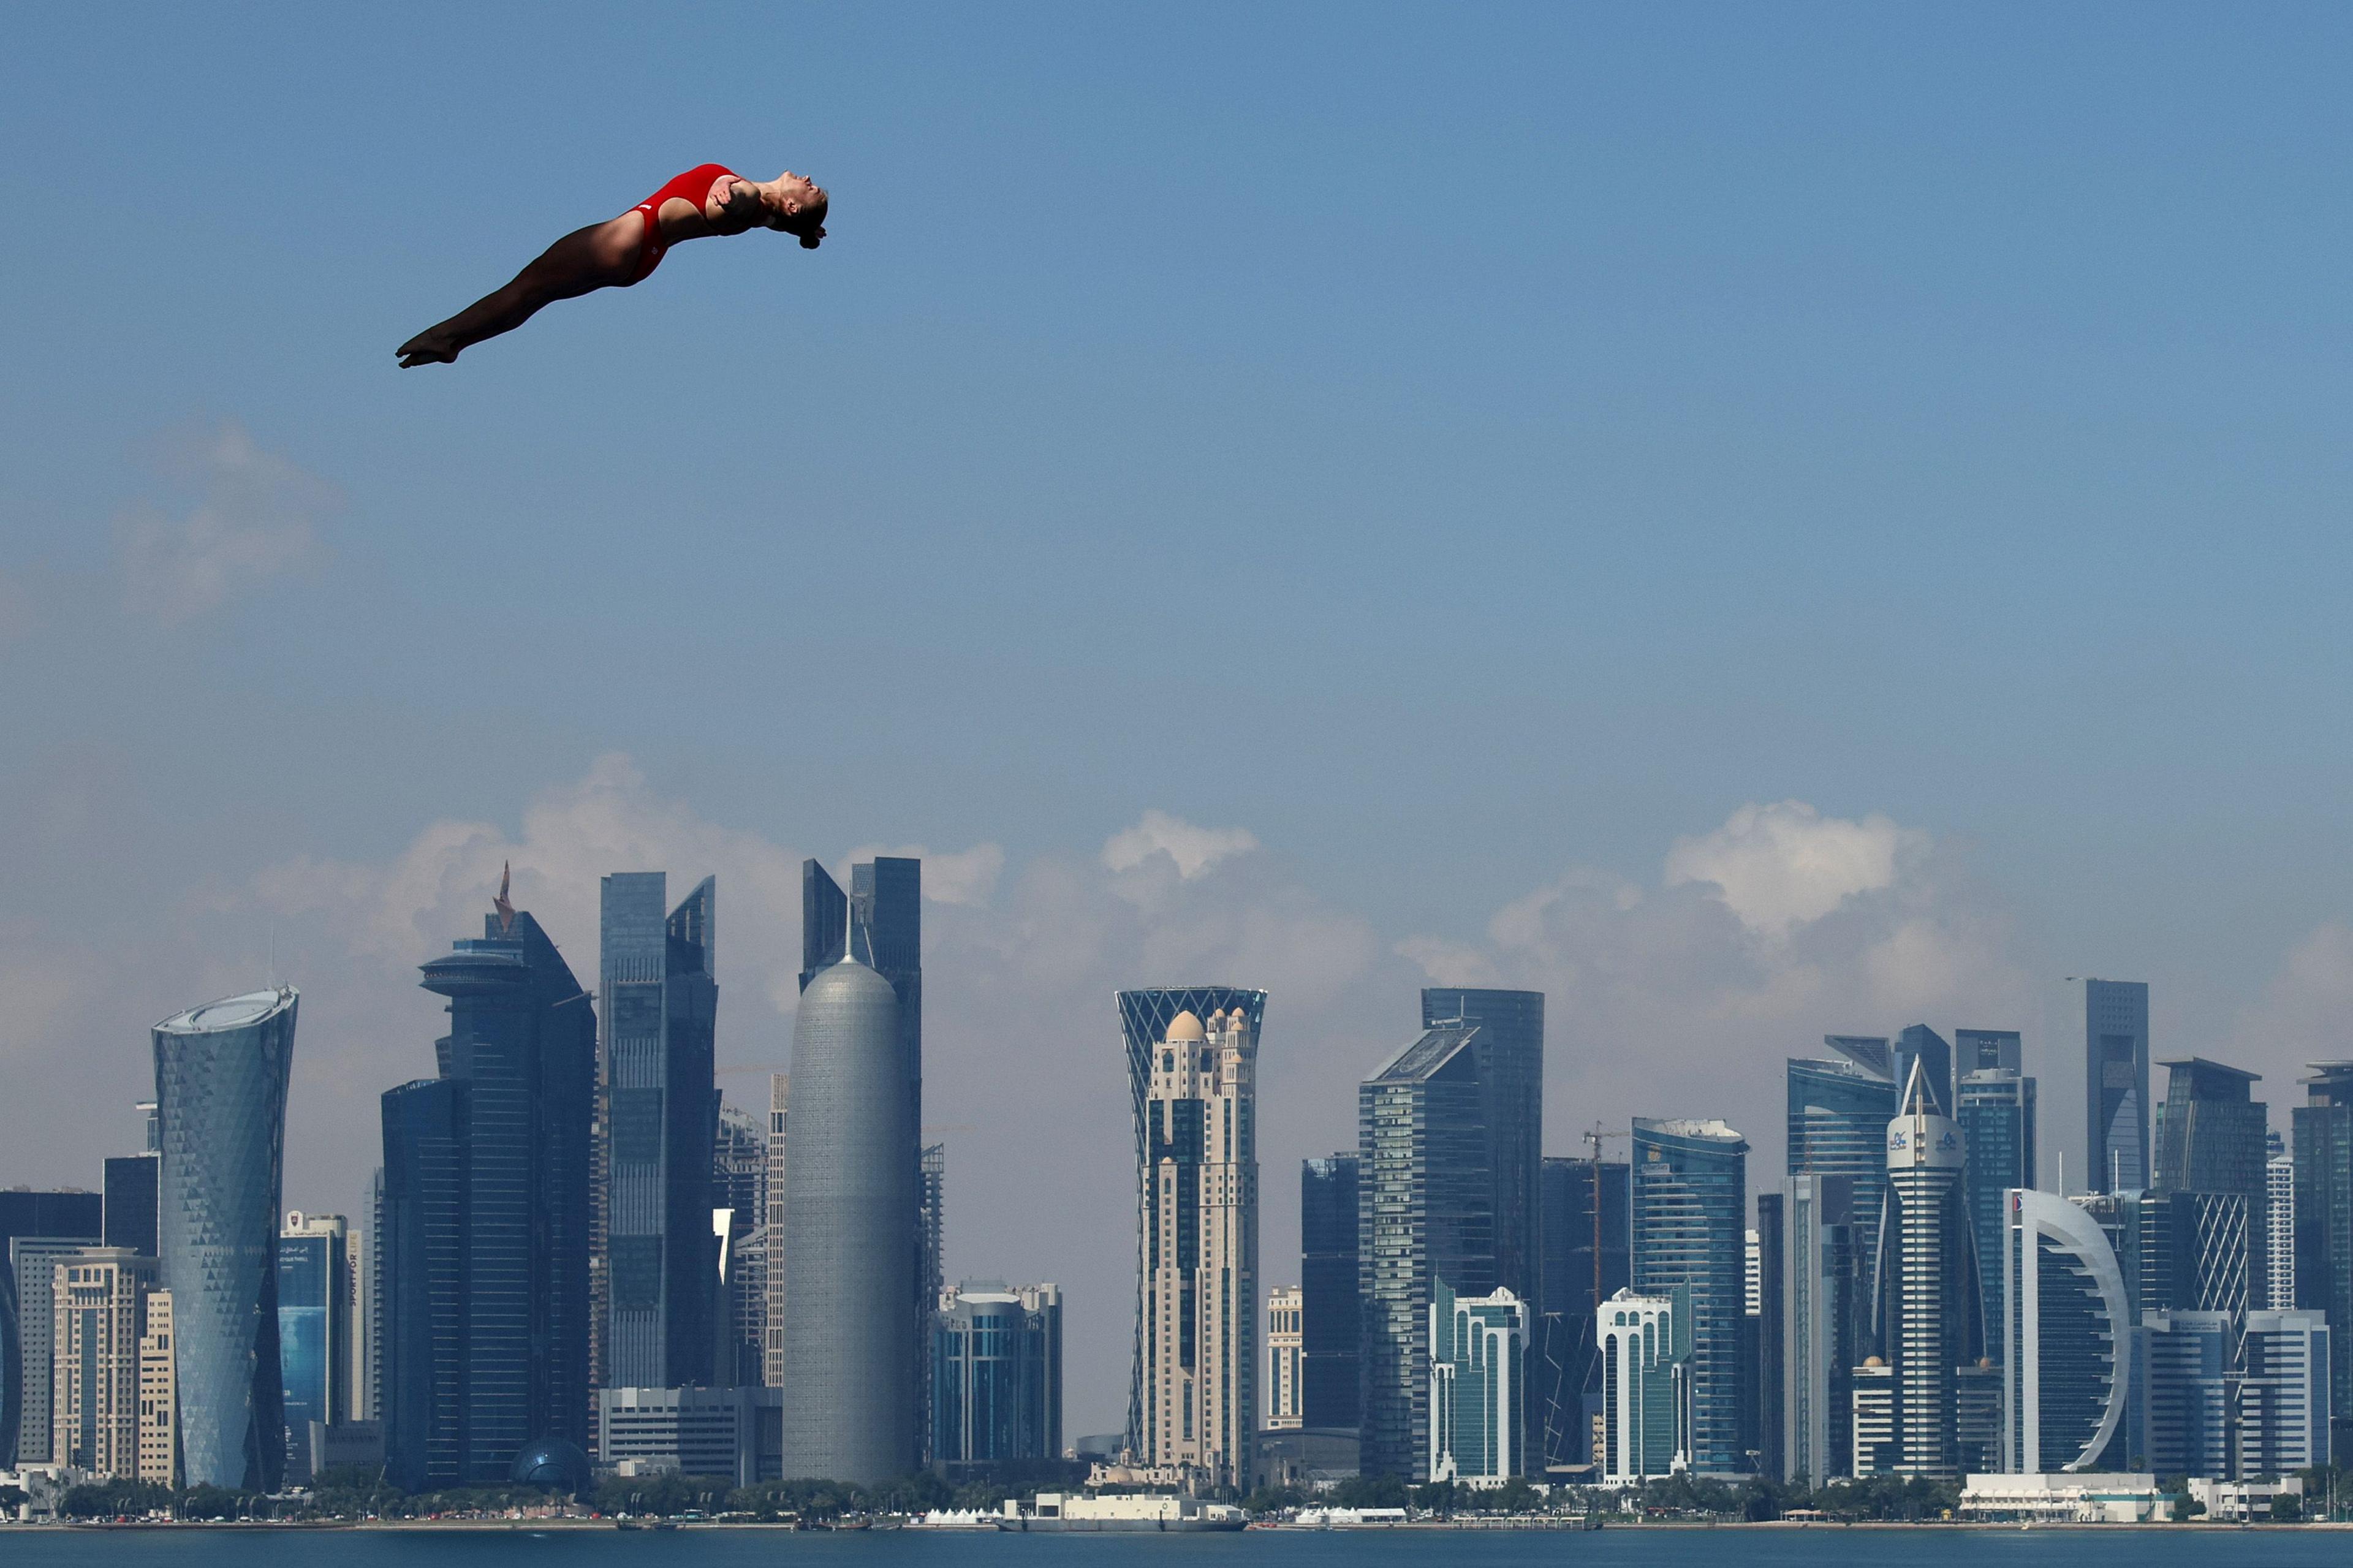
x=694 y=185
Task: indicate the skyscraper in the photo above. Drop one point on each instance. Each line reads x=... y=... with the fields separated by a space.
x=2323 y=1225
x=879 y=922
x=101 y=1309
x=2284 y=1407
x=1690 y=1209
x=772 y=1363
x=740 y=1188
x=1646 y=1393
x=34 y=1260
x=1425 y=1197
x=999 y=1369
x=851 y=1239
x=1822 y=1297
x=931 y=1251
x=2068 y=1339
x=1839 y=1112
x=314 y=1329
x=1331 y=1311
x=486 y=1326
x=660 y=997
x=159 y=1395
x=1930 y=1301
x=1477 y=1348
x=1996 y=1105
x=1145 y=1019
x=1923 y=1046
x=131 y=1202
x=2189 y=1364
x=220 y=1090
x=1767 y=1312
x=1511 y=1045
x=71 y=1217
x=2214 y=1140
x=2279 y=1229
x=1286 y=1410
x=2116 y=1083
x=1201 y=1406
x=1585 y=1261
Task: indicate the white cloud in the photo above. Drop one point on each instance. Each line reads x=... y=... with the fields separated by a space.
x=1193 y=850
x=254 y=518
x=1782 y=866
x=963 y=877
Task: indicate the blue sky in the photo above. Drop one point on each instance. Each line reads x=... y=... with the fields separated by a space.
x=1473 y=458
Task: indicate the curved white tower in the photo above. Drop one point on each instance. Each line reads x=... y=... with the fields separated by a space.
x=849 y=1234
x=2066 y=1337
x=1924 y=1156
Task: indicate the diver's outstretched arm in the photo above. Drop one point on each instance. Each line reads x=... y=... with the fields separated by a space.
x=601 y=256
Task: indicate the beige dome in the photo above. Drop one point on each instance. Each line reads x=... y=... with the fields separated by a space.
x=1184 y=1026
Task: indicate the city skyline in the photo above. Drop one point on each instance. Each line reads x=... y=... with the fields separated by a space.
x=1734 y=336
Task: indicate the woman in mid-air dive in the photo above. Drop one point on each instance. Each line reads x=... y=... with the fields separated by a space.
x=711 y=199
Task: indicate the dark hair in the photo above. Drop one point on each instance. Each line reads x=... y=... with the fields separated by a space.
x=810 y=238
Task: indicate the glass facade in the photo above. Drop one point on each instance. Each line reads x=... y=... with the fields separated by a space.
x=1922 y=1044
x=1585 y=1261
x=2068 y=1337
x=997 y=1369
x=2213 y=1138
x=1838 y=1127
x=220 y=1089
x=658 y=1000
x=131 y=1202
x=1143 y=1020
x=1690 y=1219
x=2324 y=1224
x=1331 y=1312
x=1425 y=1206
x=1823 y=1298
x=2116 y=1083
x=486 y=1254
x=79 y=1218
x=1996 y=1118
x=1478 y=1351
x=314 y=1327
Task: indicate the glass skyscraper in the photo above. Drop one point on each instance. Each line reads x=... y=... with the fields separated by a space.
x=487 y=1185
x=131 y=1202
x=2323 y=1225
x=1690 y=1220
x=1585 y=1261
x=2067 y=1327
x=658 y=995
x=314 y=1329
x=1997 y=1110
x=1331 y=1311
x=1839 y=1112
x=220 y=1090
x=1510 y=1046
x=2116 y=1084
x=1822 y=1303
x=998 y=1367
x=1144 y=1019
x=76 y=1219
x=2213 y=1138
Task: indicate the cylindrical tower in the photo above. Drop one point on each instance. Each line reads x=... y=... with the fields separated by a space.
x=220 y=1095
x=849 y=1234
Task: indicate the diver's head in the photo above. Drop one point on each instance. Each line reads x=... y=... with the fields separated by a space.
x=795 y=206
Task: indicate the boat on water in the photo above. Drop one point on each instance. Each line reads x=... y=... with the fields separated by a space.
x=1350 y=1518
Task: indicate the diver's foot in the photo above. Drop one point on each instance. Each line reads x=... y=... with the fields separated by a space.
x=428 y=347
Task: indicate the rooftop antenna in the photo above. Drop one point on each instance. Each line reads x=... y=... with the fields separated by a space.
x=506 y=911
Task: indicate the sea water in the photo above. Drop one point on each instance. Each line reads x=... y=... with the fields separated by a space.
x=1818 y=1546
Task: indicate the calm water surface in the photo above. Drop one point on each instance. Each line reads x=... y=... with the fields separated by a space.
x=2192 y=1546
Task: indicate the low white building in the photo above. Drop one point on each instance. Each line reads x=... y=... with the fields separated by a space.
x=2242 y=1502
x=2064 y=1498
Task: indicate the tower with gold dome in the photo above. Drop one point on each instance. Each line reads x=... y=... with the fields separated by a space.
x=1193 y=1063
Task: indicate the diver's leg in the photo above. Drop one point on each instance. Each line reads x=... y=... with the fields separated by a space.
x=601 y=256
